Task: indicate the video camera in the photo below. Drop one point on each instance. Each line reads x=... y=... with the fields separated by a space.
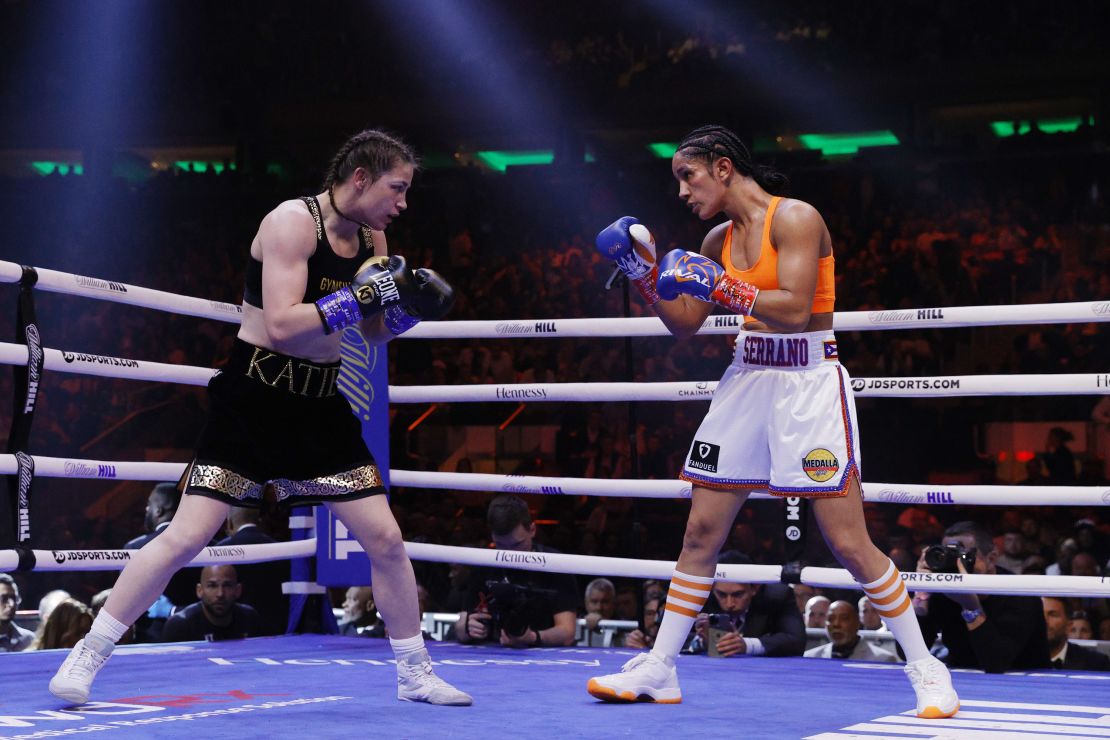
x=512 y=606
x=942 y=558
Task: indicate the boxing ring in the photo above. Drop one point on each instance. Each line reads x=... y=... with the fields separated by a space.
x=344 y=683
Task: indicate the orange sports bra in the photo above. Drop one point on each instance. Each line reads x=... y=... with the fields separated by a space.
x=764 y=274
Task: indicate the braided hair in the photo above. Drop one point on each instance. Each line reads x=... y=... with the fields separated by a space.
x=710 y=143
x=374 y=149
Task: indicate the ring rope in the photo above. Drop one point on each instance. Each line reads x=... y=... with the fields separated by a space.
x=938 y=386
x=1012 y=585
x=90 y=560
x=885 y=493
x=913 y=318
x=950 y=317
x=107 y=290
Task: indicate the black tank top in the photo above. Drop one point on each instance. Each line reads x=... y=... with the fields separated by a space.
x=327 y=271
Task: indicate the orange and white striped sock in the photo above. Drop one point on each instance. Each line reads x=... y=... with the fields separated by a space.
x=889 y=596
x=685 y=600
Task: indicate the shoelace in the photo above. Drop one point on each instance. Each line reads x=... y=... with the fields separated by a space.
x=429 y=677
x=85 y=662
x=928 y=675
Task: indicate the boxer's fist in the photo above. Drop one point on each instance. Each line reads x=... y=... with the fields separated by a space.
x=628 y=243
x=432 y=299
x=688 y=273
x=380 y=282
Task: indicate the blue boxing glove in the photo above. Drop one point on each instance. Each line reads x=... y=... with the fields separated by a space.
x=689 y=273
x=379 y=283
x=628 y=243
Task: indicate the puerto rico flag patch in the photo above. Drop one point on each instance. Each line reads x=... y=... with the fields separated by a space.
x=830 y=350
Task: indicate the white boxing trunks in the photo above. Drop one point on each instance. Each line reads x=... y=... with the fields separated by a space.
x=782 y=418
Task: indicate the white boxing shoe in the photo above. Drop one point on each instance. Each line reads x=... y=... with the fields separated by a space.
x=936 y=699
x=416 y=681
x=74 y=679
x=647 y=678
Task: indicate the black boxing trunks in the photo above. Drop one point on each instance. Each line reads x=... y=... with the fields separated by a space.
x=280 y=420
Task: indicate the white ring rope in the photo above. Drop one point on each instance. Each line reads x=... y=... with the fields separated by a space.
x=106 y=290
x=886 y=493
x=914 y=318
x=941 y=386
x=950 y=317
x=96 y=560
x=822 y=577
x=108 y=367
x=72 y=560
x=1070 y=384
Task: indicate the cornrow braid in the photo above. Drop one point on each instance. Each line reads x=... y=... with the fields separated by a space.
x=710 y=143
x=374 y=149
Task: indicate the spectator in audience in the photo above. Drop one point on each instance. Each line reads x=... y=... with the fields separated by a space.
x=261 y=581
x=642 y=639
x=1065 y=551
x=1012 y=557
x=13 y=638
x=803 y=592
x=1084 y=564
x=600 y=601
x=1080 y=627
x=65 y=624
x=626 y=603
x=869 y=616
x=991 y=632
x=546 y=602
x=763 y=618
x=842 y=625
x=1058 y=457
x=817 y=611
x=161 y=505
x=360 y=616
x=1063 y=654
x=50 y=600
x=217 y=615
x=1104 y=630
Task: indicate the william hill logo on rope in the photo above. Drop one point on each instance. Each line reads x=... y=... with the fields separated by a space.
x=704 y=456
x=820 y=465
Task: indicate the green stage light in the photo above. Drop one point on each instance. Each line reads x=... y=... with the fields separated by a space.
x=1005 y=129
x=63 y=168
x=500 y=160
x=847 y=143
x=663 y=149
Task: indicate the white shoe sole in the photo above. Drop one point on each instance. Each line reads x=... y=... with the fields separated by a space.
x=598 y=690
x=69 y=693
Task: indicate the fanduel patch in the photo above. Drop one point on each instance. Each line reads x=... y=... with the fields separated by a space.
x=704 y=456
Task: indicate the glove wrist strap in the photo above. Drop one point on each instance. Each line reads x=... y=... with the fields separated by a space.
x=338 y=310
x=646 y=285
x=735 y=295
x=398 y=320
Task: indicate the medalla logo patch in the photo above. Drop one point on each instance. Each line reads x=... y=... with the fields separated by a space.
x=704 y=456
x=820 y=465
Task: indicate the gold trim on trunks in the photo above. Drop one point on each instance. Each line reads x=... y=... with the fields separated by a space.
x=328 y=486
x=224 y=481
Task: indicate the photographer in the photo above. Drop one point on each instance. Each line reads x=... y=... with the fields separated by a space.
x=520 y=608
x=749 y=618
x=994 y=633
